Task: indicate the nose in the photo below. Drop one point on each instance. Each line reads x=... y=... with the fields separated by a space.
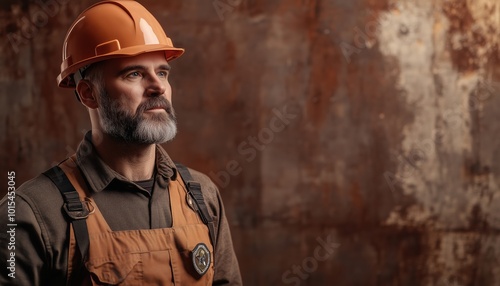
x=156 y=86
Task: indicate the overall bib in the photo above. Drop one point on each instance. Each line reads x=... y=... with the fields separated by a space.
x=148 y=256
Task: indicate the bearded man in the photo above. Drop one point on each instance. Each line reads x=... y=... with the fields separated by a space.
x=119 y=211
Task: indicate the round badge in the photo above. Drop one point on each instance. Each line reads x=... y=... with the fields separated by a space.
x=201 y=258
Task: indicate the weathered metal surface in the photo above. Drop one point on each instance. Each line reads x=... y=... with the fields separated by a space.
x=354 y=142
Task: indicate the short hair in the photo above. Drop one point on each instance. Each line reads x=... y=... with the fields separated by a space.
x=94 y=74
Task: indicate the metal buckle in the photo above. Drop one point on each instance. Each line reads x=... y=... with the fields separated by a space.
x=83 y=214
x=89 y=203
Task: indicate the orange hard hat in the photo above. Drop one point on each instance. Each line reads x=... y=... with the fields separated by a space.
x=111 y=29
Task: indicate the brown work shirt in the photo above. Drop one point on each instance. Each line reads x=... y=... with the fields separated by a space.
x=41 y=233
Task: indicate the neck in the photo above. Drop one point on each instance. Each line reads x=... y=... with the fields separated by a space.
x=136 y=162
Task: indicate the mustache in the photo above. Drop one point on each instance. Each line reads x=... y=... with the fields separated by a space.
x=156 y=102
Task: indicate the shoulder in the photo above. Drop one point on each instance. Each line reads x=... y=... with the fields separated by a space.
x=38 y=205
x=204 y=180
x=39 y=191
x=209 y=190
x=32 y=186
x=208 y=187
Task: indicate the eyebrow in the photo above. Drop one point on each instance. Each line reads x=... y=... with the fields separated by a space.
x=165 y=67
x=127 y=69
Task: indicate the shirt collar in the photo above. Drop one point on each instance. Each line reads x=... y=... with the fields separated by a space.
x=99 y=175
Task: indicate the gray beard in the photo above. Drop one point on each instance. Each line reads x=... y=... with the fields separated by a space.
x=136 y=128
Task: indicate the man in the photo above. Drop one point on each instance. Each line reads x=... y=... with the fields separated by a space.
x=118 y=212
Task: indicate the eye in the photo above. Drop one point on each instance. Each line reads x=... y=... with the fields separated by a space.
x=134 y=74
x=163 y=74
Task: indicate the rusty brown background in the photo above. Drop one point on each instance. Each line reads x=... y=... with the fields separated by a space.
x=368 y=126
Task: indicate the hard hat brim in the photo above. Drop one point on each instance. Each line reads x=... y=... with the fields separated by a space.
x=65 y=79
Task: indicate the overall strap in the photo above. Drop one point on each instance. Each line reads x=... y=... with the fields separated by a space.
x=74 y=208
x=194 y=190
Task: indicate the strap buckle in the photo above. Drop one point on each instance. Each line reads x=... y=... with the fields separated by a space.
x=77 y=212
x=192 y=185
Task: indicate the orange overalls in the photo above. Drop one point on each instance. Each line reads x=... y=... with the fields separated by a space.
x=148 y=256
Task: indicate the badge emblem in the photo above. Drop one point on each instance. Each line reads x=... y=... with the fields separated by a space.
x=201 y=258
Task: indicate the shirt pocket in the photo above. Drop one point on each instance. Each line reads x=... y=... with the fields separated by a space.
x=124 y=269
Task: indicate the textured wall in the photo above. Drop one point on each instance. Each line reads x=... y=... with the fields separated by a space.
x=354 y=142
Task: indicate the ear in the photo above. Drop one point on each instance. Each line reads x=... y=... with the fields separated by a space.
x=87 y=94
